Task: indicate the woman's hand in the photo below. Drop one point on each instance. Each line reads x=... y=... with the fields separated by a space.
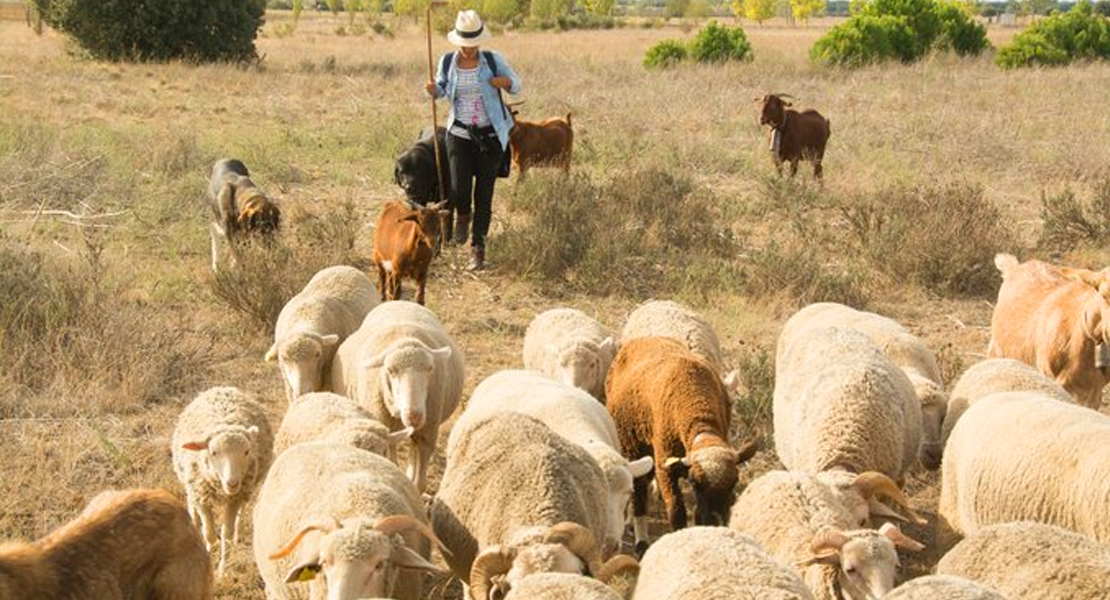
x=430 y=87
x=501 y=82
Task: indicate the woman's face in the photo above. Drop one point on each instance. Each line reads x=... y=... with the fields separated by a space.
x=469 y=52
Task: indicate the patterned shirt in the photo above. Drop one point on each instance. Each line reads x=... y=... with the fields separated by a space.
x=470 y=109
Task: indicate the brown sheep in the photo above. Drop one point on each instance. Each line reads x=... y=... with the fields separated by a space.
x=131 y=544
x=541 y=143
x=405 y=241
x=670 y=404
x=794 y=135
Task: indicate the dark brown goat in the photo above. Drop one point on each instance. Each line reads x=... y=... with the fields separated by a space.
x=541 y=143
x=794 y=135
x=404 y=244
x=670 y=404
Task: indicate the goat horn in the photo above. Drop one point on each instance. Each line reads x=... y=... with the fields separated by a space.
x=327 y=526
x=394 y=524
x=579 y=540
x=873 y=483
x=785 y=96
x=618 y=566
x=493 y=561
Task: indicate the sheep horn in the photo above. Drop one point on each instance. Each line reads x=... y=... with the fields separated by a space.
x=492 y=562
x=873 y=483
x=618 y=566
x=327 y=526
x=395 y=524
x=580 y=541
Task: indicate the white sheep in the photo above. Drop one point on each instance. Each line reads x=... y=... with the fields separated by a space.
x=1025 y=456
x=942 y=587
x=402 y=367
x=320 y=416
x=904 y=349
x=1032 y=561
x=714 y=562
x=840 y=403
x=992 y=376
x=561 y=586
x=123 y=546
x=517 y=499
x=313 y=324
x=818 y=525
x=664 y=318
x=348 y=521
x=568 y=345
x=222 y=446
x=573 y=414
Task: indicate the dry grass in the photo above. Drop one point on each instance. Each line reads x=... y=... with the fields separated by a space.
x=319 y=123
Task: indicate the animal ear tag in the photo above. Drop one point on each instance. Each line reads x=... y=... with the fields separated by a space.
x=1102 y=356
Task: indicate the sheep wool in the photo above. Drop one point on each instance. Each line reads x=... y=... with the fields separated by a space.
x=942 y=587
x=664 y=318
x=1024 y=456
x=1032 y=561
x=713 y=562
x=560 y=586
x=840 y=403
x=326 y=416
x=571 y=346
x=508 y=473
x=313 y=323
x=361 y=489
x=404 y=369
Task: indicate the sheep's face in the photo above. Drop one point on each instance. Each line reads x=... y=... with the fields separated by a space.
x=231 y=456
x=302 y=358
x=357 y=562
x=544 y=558
x=773 y=110
x=406 y=374
x=579 y=366
x=934 y=405
x=867 y=566
x=619 y=474
x=714 y=472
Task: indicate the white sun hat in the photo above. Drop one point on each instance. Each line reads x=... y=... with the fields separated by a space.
x=469 y=30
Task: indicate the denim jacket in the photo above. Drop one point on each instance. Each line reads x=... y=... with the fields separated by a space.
x=502 y=121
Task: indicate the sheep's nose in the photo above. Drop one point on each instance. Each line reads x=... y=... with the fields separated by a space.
x=232 y=485
x=610 y=548
x=413 y=419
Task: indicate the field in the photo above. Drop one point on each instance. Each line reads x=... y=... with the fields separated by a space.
x=113 y=319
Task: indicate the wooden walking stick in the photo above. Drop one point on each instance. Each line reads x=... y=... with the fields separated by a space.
x=449 y=229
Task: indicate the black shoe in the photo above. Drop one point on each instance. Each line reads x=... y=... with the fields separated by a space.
x=462 y=229
x=477 y=258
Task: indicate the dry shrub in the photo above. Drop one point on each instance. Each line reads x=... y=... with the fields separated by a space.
x=752 y=410
x=73 y=345
x=647 y=231
x=1071 y=222
x=805 y=273
x=940 y=237
x=269 y=274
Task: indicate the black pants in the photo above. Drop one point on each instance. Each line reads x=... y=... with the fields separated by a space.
x=472 y=177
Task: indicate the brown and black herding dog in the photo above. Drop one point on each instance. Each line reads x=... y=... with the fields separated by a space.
x=238 y=208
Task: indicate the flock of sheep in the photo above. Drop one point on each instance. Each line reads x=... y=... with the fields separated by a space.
x=544 y=462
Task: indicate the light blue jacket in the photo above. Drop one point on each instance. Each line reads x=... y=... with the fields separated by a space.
x=501 y=120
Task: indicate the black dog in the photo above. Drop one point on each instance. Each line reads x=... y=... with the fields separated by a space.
x=415 y=170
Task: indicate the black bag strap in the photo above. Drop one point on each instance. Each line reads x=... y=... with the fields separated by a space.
x=445 y=65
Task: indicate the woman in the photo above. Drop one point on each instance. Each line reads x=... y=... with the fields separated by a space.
x=478 y=126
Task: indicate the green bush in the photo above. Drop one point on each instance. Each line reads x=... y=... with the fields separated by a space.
x=904 y=30
x=1079 y=34
x=718 y=43
x=158 y=30
x=665 y=54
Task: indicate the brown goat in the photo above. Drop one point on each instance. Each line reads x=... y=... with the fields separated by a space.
x=405 y=242
x=670 y=404
x=1056 y=319
x=125 y=545
x=794 y=135
x=541 y=143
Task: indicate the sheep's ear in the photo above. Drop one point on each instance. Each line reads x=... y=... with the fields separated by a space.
x=827 y=557
x=607 y=345
x=444 y=352
x=878 y=509
x=375 y=362
x=396 y=437
x=271 y=354
x=677 y=467
x=732 y=380
x=901 y=540
x=405 y=558
x=195 y=446
x=329 y=340
x=252 y=432
x=747 y=451
x=304 y=572
x=641 y=466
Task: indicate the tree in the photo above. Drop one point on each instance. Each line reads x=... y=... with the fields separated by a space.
x=697 y=10
x=737 y=7
x=600 y=7
x=675 y=8
x=759 y=10
x=804 y=9
x=500 y=11
x=549 y=9
x=408 y=8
